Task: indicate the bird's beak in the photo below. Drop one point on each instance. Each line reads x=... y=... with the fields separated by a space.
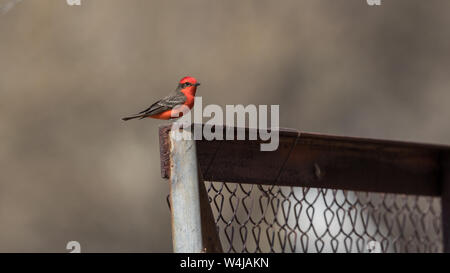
x=197 y=84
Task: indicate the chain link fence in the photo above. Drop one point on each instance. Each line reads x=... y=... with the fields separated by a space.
x=259 y=218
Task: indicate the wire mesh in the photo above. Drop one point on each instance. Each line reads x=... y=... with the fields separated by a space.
x=258 y=218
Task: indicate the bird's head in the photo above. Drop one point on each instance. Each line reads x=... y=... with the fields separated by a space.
x=188 y=85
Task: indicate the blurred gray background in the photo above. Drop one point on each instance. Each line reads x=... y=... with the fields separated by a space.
x=70 y=169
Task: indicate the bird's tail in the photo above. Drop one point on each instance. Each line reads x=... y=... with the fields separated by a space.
x=133 y=117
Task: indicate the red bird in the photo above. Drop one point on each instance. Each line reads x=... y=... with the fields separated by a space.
x=164 y=108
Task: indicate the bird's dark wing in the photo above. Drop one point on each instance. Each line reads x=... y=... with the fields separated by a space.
x=164 y=104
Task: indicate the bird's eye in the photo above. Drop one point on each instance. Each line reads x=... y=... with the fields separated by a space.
x=187 y=84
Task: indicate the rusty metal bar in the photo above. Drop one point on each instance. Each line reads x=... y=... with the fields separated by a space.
x=323 y=161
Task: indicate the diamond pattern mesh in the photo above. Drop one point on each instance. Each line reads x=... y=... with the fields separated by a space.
x=254 y=218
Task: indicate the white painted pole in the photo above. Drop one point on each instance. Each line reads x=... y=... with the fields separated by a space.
x=185 y=197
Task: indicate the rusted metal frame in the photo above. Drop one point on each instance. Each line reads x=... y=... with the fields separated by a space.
x=193 y=226
x=324 y=161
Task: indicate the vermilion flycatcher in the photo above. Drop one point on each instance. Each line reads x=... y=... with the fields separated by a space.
x=183 y=96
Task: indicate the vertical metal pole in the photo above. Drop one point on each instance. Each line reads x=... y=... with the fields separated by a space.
x=184 y=193
x=445 y=199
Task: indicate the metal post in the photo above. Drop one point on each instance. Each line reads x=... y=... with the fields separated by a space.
x=184 y=193
x=193 y=227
